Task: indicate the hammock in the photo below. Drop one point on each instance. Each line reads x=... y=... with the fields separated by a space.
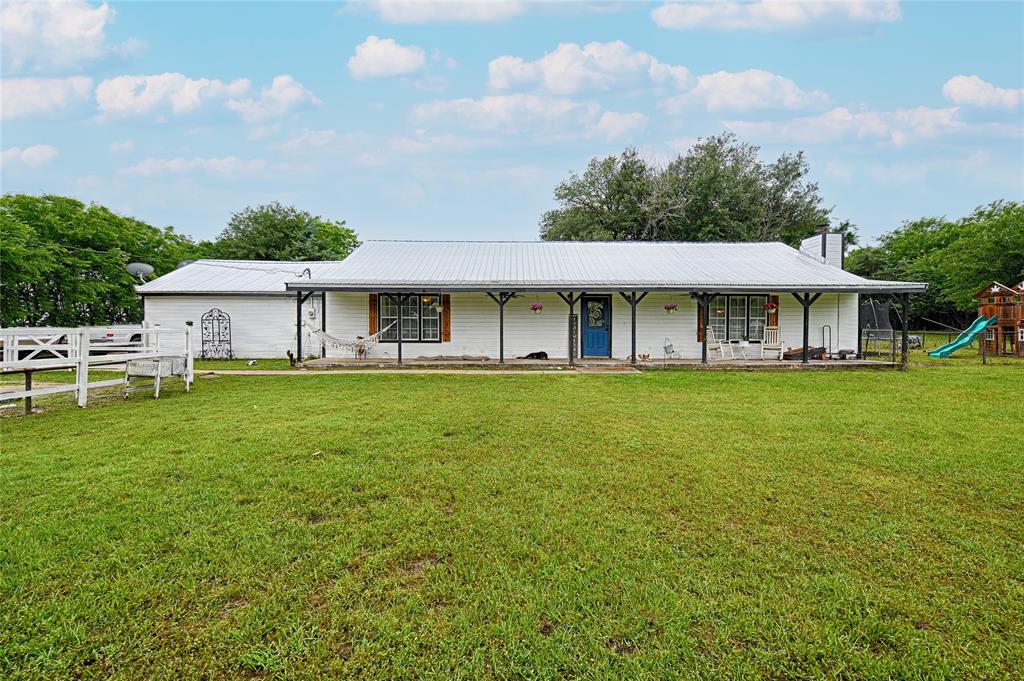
x=358 y=346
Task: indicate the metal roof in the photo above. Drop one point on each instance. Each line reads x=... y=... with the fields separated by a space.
x=411 y=266
x=239 y=276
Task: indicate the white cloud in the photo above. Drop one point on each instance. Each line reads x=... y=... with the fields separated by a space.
x=179 y=94
x=916 y=172
x=381 y=57
x=125 y=147
x=449 y=62
x=259 y=132
x=773 y=15
x=899 y=127
x=138 y=95
x=309 y=140
x=228 y=166
x=613 y=125
x=41 y=96
x=974 y=91
x=745 y=91
x=508 y=113
x=571 y=68
x=362 y=149
x=555 y=117
x=46 y=36
x=284 y=94
x=456 y=11
x=34 y=156
x=424 y=143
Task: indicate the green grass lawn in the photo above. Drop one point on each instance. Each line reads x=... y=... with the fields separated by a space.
x=665 y=524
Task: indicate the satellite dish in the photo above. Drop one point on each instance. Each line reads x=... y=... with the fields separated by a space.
x=183 y=263
x=140 y=270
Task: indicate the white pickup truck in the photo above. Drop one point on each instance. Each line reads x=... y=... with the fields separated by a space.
x=116 y=335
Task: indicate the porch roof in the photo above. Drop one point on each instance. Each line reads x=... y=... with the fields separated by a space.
x=593 y=266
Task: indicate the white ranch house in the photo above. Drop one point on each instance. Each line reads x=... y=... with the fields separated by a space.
x=502 y=300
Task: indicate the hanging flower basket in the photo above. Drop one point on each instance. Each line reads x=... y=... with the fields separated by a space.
x=771 y=306
x=537 y=308
x=671 y=308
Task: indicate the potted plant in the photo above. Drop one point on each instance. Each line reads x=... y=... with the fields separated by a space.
x=671 y=308
x=537 y=308
x=771 y=306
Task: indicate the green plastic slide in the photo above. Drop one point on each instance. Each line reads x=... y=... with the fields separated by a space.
x=967 y=337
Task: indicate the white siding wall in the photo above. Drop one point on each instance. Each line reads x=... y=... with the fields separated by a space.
x=840 y=311
x=474 y=320
x=261 y=326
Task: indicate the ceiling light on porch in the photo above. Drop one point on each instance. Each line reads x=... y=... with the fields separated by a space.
x=432 y=302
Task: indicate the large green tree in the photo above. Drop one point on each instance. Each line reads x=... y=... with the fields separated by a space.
x=62 y=263
x=956 y=257
x=720 y=190
x=277 y=232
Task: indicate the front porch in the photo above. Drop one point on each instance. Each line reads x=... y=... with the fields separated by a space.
x=483 y=329
x=590 y=365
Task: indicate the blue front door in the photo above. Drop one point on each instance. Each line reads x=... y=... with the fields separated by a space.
x=597 y=326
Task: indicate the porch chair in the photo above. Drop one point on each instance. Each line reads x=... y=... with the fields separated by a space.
x=723 y=347
x=772 y=342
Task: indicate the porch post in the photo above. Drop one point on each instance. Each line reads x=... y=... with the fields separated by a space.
x=905 y=339
x=633 y=300
x=807 y=328
x=501 y=299
x=806 y=300
x=298 y=326
x=570 y=300
x=323 y=321
x=703 y=303
x=572 y=331
x=300 y=298
x=400 y=299
x=632 y=328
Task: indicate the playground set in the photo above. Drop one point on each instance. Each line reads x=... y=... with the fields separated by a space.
x=999 y=327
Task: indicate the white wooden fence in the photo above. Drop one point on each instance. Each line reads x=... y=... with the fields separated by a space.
x=30 y=349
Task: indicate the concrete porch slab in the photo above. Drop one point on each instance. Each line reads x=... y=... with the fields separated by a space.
x=588 y=365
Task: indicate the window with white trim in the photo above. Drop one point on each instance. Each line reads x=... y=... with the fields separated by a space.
x=421 y=318
x=738 y=317
x=717 y=316
x=757 y=317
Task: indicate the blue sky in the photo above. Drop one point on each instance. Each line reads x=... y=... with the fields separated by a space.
x=456 y=120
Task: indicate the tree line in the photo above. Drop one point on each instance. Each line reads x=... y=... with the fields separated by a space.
x=62 y=262
x=956 y=257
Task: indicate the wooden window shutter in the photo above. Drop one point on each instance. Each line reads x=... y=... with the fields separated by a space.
x=446 y=318
x=372 y=322
x=773 y=315
x=700 y=323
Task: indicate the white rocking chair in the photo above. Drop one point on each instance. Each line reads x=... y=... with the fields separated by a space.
x=723 y=347
x=771 y=345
